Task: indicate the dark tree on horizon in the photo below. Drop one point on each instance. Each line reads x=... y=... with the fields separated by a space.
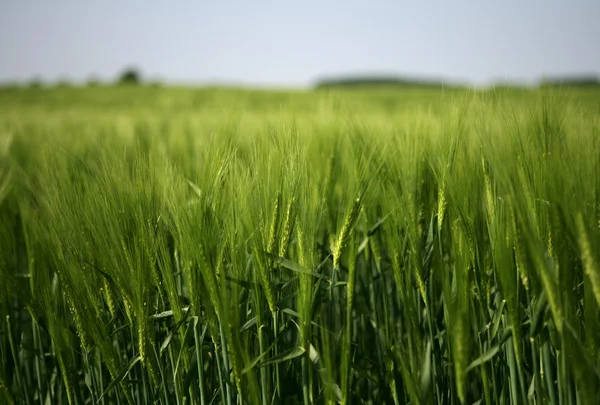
x=130 y=76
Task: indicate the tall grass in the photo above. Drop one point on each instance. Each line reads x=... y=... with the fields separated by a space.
x=175 y=246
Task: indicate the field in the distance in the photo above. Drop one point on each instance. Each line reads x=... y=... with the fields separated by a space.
x=179 y=246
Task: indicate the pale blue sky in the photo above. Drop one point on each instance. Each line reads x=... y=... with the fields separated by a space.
x=285 y=43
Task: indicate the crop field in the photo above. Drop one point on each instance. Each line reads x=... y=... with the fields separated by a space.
x=221 y=246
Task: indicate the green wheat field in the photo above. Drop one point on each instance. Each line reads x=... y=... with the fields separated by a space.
x=221 y=246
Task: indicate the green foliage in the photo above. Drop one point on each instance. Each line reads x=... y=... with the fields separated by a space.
x=129 y=76
x=176 y=246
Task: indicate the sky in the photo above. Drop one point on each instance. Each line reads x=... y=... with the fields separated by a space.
x=284 y=43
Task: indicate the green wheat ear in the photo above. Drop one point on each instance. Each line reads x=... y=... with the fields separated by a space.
x=519 y=249
x=345 y=232
x=109 y=296
x=590 y=263
x=221 y=261
x=145 y=348
x=79 y=325
x=264 y=264
x=442 y=204
x=489 y=194
x=272 y=240
x=288 y=227
x=67 y=374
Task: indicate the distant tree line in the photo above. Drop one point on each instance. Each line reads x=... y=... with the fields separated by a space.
x=572 y=81
x=131 y=76
x=377 y=81
x=404 y=82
